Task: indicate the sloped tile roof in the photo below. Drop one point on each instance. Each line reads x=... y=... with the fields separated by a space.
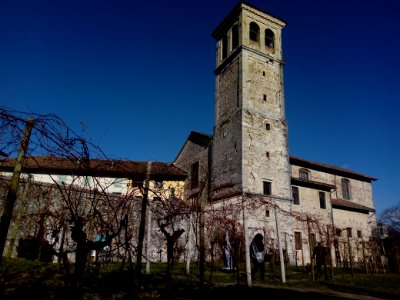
x=95 y=167
x=312 y=184
x=347 y=204
x=294 y=160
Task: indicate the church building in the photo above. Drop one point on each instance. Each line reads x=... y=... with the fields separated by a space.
x=246 y=159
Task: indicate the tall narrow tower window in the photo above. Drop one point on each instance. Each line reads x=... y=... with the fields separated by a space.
x=195 y=175
x=235 y=36
x=346 y=189
x=349 y=233
x=224 y=47
x=296 y=195
x=269 y=38
x=322 y=202
x=254 y=33
x=297 y=241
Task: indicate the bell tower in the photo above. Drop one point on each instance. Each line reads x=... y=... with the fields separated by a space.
x=250 y=140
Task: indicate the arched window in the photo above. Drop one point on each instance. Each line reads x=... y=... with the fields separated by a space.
x=254 y=33
x=269 y=38
x=224 y=47
x=235 y=36
x=346 y=188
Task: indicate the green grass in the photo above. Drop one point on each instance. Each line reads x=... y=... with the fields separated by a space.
x=23 y=278
x=379 y=285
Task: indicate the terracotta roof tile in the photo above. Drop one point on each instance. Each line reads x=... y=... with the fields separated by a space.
x=328 y=168
x=96 y=167
x=351 y=205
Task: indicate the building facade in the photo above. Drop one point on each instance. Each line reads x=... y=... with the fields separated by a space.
x=54 y=193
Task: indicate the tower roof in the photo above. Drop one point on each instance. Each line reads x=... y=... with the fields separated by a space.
x=233 y=15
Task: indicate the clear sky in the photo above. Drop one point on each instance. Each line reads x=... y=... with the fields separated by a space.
x=139 y=75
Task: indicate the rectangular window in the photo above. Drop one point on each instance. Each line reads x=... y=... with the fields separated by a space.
x=359 y=234
x=296 y=195
x=267 y=188
x=349 y=234
x=297 y=240
x=322 y=202
x=158 y=184
x=195 y=175
x=137 y=184
x=303 y=174
x=62 y=179
x=118 y=183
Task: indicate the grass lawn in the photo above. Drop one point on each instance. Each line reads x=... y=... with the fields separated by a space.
x=21 y=278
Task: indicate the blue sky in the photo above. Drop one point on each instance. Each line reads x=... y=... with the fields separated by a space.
x=139 y=75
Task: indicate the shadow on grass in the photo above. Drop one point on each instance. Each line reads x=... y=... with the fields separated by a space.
x=21 y=279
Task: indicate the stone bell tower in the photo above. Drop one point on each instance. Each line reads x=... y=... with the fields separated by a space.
x=250 y=140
